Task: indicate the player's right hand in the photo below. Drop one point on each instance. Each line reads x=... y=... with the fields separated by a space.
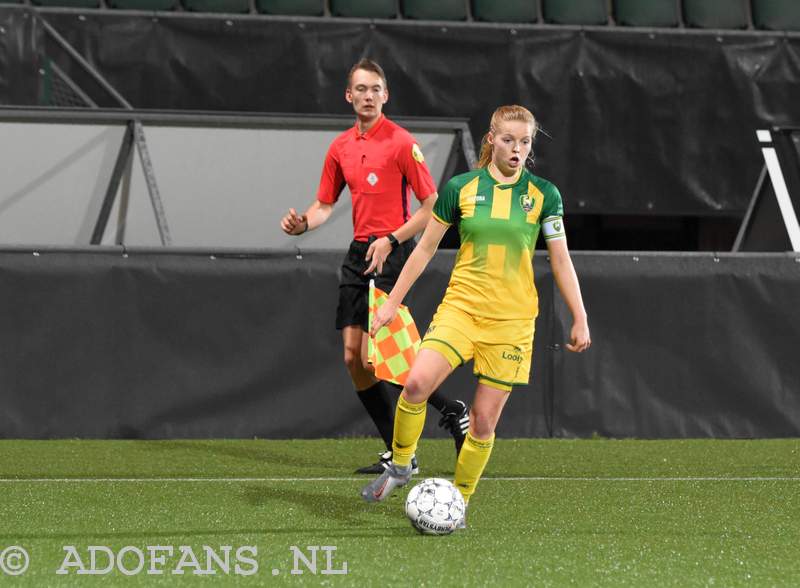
x=293 y=223
x=383 y=316
x=579 y=338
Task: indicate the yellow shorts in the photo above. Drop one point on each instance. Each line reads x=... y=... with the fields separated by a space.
x=502 y=349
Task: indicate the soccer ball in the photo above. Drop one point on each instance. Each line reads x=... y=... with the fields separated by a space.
x=435 y=507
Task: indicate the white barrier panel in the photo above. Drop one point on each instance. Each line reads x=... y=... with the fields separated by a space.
x=53 y=179
x=221 y=187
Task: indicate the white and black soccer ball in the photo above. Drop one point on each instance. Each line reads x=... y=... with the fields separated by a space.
x=435 y=507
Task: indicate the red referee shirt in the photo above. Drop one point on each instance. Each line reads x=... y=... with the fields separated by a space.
x=378 y=167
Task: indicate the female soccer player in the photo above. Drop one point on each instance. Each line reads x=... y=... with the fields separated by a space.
x=490 y=306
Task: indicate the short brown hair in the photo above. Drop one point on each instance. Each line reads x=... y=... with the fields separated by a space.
x=367 y=65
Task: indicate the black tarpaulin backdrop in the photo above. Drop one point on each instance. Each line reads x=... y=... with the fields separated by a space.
x=640 y=122
x=169 y=345
x=21 y=44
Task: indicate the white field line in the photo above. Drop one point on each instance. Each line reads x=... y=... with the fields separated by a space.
x=367 y=478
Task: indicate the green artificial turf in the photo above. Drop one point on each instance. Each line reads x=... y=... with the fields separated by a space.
x=580 y=513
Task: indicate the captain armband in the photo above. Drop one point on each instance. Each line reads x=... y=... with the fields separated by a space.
x=553 y=228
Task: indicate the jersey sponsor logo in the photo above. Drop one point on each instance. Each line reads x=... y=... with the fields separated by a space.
x=480 y=198
x=526 y=202
x=416 y=153
x=372 y=178
x=512 y=356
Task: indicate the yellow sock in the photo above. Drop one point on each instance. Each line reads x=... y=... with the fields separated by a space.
x=409 y=419
x=472 y=460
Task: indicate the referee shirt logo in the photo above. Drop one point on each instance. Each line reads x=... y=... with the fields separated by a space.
x=372 y=178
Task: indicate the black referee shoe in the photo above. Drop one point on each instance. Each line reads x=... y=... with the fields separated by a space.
x=383 y=463
x=455 y=419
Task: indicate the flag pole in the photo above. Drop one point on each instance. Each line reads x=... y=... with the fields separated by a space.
x=370 y=318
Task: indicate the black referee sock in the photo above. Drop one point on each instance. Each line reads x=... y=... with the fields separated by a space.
x=381 y=409
x=438 y=401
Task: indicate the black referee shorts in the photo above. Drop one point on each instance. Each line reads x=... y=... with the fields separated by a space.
x=353 y=306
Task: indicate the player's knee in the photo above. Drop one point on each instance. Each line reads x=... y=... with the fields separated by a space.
x=481 y=424
x=417 y=388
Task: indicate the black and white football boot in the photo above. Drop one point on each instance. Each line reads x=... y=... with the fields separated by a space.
x=455 y=420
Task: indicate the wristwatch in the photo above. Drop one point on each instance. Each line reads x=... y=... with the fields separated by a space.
x=393 y=240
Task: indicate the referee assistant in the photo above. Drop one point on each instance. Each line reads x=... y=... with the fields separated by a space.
x=378 y=160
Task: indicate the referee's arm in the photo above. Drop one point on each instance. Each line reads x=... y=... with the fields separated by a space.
x=297 y=224
x=331 y=184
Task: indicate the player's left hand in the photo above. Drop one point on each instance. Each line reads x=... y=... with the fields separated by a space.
x=377 y=253
x=580 y=340
x=383 y=316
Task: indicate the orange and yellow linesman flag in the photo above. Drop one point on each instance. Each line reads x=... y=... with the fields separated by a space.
x=395 y=346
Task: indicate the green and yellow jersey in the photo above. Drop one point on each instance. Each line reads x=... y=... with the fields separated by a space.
x=498 y=224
